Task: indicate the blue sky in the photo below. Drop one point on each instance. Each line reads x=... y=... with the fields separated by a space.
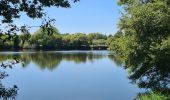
x=86 y=16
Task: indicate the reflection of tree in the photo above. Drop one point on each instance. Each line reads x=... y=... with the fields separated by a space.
x=149 y=74
x=145 y=74
x=77 y=58
x=51 y=60
x=82 y=57
x=117 y=59
x=92 y=57
x=43 y=60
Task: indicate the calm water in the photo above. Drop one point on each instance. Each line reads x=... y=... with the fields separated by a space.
x=68 y=75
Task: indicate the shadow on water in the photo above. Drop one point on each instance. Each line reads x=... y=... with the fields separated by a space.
x=154 y=77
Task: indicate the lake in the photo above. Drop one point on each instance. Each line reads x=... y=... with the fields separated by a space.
x=67 y=75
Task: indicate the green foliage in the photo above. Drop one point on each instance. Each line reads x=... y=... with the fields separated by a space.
x=41 y=39
x=33 y=8
x=16 y=41
x=153 y=96
x=143 y=41
x=12 y=9
x=75 y=40
x=95 y=36
x=24 y=38
x=9 y=41
x=81 y=39
x=99 y=42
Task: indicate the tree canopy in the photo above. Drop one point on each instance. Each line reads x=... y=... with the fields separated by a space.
x=142 y=42
x=11 y=9
x=41 y=39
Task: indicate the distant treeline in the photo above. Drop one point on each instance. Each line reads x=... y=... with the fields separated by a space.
x=41 y=39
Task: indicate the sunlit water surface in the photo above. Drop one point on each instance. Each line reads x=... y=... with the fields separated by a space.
x=68 y=75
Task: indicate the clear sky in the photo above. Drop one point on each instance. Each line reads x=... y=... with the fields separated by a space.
x=86 y=16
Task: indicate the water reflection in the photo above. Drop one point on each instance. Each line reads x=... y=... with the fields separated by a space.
x=51 y=60
x=43 y=60
x=116 y=59
x=151 y=78
x=154 y=77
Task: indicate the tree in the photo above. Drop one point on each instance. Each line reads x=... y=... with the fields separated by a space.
x=42 y=39
x=24 y=38
x=80 y=39
x=16 y=41
x=143 y=42
x=92 y=37
x=11 y=9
